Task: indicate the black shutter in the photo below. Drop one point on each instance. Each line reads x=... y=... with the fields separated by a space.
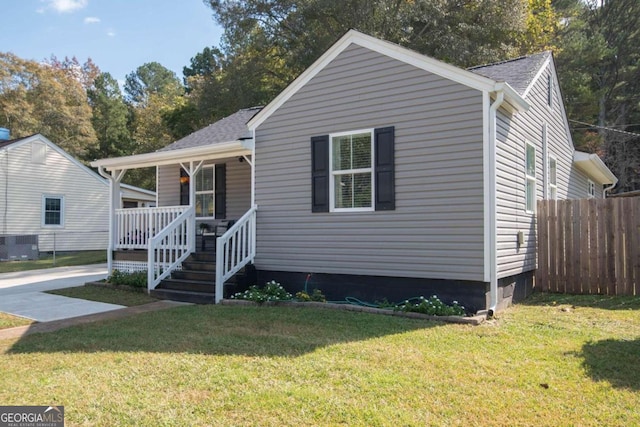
x=184 y=187
x=320 y=173
x=385 y=169
x=221 y=191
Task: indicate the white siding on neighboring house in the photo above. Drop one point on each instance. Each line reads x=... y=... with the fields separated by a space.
x=27 y=175
x=436 y=230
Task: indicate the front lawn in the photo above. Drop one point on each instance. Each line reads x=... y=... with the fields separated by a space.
x=10 y=321
x=552 y=361
x=103 y=294
x=63 y=259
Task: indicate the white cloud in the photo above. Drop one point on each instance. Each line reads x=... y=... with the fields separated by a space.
x=111 y=33
x=91 y=20
x=65 y=6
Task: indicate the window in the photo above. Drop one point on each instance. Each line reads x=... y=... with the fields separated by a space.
x=352 y=171
x=530 y=184
x=592 y=189
x=52 y=211
x=205 y=192
x=553 y=183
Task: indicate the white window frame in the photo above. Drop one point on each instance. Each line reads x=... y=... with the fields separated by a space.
x=333 y=174
x=212 y=191
x=591 y=189
x=553 y=183
x=44 y=210
x=529 y=178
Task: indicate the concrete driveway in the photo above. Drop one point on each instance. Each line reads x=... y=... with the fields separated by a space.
x=21 y=293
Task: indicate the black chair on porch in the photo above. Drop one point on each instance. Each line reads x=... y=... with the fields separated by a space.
x=218 y=230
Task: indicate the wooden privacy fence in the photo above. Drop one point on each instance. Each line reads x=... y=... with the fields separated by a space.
x=589 y=246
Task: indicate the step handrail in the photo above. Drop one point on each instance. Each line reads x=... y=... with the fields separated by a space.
x=235 y=249
x=172 y=245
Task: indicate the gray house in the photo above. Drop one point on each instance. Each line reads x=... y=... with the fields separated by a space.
x=378 y=173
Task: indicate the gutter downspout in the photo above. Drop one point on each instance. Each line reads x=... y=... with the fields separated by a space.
x=606 y=189
x=493 y=233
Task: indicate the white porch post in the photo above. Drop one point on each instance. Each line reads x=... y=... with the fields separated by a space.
x=192 y=171
x=115 y=202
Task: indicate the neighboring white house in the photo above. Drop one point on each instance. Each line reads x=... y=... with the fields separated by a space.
x=44 y=191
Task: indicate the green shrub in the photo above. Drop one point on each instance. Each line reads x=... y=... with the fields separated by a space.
x=136 y=280
x=316 y=296
x=272 y=291
x=432 y=306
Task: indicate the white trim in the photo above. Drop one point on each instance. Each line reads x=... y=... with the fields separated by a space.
x=591 y=189
x=453 y=73
x=44 y=210
x=486 y=172
x=332 y=174
x=552 y=186
x=545 y=168
x=528 y=178
x=593 y=166
x=160 y=158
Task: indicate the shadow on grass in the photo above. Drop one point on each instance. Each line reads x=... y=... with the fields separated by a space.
x=221 y=330
x=615 y=361
x=606 y=302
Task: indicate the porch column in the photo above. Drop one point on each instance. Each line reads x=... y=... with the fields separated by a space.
x=192 y=170
x=115 y=202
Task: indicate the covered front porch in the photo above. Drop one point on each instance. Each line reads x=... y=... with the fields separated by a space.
x=198 y=188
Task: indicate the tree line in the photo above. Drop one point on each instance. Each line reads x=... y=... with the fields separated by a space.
x=267 y=43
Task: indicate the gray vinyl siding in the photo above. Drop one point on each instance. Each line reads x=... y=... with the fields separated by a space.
x=436 y=230
x=238 y=186
x=513 y=132
x=86 y=200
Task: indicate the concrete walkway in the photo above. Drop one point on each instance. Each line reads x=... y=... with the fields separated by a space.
x=21 y=293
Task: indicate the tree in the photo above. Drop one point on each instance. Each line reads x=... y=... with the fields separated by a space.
x=599 y=70
x=151 y=78
x=205 y=63
x=37 y=98
x=110 y=118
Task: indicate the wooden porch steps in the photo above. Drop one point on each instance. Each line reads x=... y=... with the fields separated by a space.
x=195 y=283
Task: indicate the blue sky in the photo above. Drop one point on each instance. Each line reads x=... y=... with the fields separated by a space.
x=118 y=35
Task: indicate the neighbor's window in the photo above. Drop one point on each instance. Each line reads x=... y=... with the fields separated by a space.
x=530 y=185
x=351 y=171
x=205 y=190
x=592 y=189
x=553 y=183
x=52 y=210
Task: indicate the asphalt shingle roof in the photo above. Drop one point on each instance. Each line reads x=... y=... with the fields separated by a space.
x=230 y=128
x=518 y=72
x=7 y=143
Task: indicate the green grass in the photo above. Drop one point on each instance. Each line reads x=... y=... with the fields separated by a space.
x=111 y=296
x=572 y=362
x=9 y=321
x=63 y=259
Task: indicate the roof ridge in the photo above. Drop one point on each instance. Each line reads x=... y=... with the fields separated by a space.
x=506 y=61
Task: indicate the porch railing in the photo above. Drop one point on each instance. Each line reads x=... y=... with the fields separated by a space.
x=235 y=249
x=134 y=227
x=172 y=245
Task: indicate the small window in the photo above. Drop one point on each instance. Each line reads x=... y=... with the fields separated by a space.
x=52 y=211
x=592 y=189
x=351 y=171
x=553 y=183
x=205 y=192
x=530 y=182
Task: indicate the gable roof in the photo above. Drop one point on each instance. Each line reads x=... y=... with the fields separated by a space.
x=513 y=99
x=520 y=72
x=230 y=128
x=4 y=144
